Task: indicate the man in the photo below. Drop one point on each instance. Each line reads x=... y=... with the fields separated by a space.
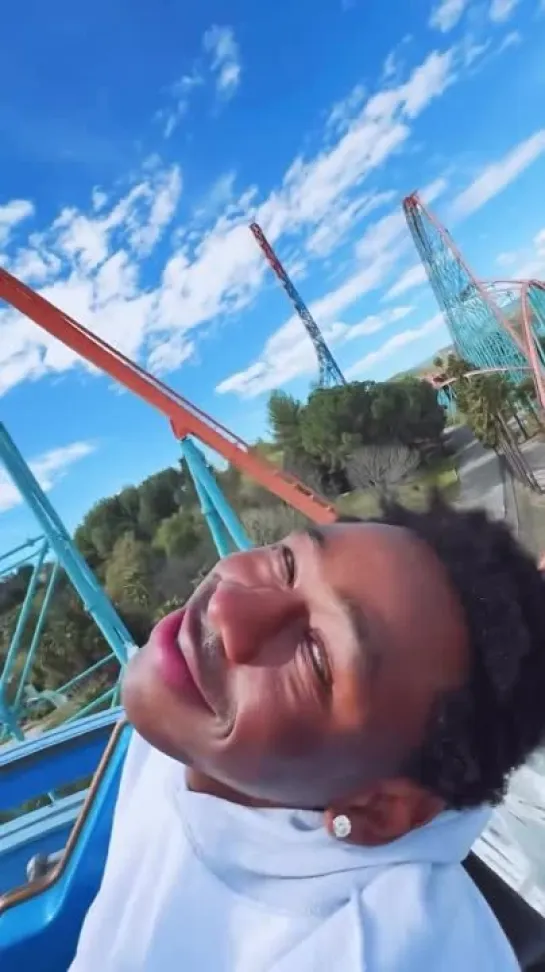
x=348 y=705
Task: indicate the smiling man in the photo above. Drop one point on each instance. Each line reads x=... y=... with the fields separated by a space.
x=321 y=733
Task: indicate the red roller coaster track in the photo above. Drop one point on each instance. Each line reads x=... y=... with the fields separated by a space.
x=184 y=417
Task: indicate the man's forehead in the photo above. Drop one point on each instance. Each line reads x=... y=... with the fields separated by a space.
x=322 y=536
x=319 y=535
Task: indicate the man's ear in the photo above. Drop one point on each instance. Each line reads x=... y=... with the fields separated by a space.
x=385 y=812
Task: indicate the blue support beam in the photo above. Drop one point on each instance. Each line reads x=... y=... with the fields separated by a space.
x=95 y=600
x=56 y=550
x=222 y=521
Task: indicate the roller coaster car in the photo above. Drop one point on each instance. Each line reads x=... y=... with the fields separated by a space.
x=40 y=921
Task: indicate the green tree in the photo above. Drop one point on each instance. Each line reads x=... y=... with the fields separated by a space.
x=129 y=573
x=423 y=419
x=14 y=586
x=335 y=421
x=178 y=534
x=484 y=400
x=102 y=527
x=329 y=425
x=129 y=502
x=284 y=419
x=70 y=643
x=160 y=496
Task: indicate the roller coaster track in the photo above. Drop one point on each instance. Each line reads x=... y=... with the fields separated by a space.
x=185 y=418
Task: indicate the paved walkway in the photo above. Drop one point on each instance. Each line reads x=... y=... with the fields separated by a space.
x=480 y=474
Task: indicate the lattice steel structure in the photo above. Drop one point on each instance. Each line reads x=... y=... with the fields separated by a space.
x=330 y=373
x=484 y=329
x=45 y=557
x=522 y=303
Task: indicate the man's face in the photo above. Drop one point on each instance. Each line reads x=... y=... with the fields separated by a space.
x=299 y=672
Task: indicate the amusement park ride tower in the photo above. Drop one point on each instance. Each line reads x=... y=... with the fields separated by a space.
x=330 y=373
x=484 y=333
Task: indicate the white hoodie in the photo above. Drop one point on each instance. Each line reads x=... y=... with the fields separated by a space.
x=196 y=884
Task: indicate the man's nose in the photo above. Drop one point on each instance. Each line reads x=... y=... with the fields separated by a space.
x=246 y=617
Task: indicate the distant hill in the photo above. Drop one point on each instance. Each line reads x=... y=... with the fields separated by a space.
x=424 y=366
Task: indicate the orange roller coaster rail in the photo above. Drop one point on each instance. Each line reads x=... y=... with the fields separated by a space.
x=185 y=418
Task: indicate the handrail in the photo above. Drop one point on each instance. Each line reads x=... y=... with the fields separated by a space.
x=32 y=889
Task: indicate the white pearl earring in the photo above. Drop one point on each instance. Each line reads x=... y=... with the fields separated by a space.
x=341 y=826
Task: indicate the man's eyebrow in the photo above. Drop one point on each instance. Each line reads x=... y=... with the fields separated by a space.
x=362 y=633
x=356 y=618
x=315 y=535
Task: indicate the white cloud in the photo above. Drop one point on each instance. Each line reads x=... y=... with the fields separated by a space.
x=393 y=63
x=389 y=67
x=180 y=96
x=428 y=81
x=167 y=355
x=473 y=51
x=11 y=214
x=328 y=234
x=343 y=111
x=223 y=65
x=142 y=215
x=317 y=189
x=497 y=176
x=89 y=267
x=311 y=188
x=390 y=233
x=361 y=368
x=512 y=39
x=220 y=43
x=507 y=259
x=223 y=276
x=528 y=263
x=446 y=14
x=370 y=324
x=49 y=468
x=502 y=10
x=166 y=196
x=219 y=196
x=89 y=262
x=34 y=265
x=98 y=199
x=415 y=276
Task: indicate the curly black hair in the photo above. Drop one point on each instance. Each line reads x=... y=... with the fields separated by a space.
x=479 y=734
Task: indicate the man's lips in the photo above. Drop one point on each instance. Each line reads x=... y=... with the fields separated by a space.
x=176 y=670
x=203 y=650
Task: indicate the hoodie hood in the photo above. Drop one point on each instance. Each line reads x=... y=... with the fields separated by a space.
x=271 y=853
x=197 y=882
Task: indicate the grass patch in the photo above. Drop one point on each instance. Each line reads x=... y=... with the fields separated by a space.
x=362 y=502
x=442 y=475
x=412 y=493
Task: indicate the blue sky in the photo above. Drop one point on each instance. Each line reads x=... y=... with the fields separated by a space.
x=138 y=142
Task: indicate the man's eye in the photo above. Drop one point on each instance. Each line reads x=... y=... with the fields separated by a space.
x=318 y=659
x=289 y=564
